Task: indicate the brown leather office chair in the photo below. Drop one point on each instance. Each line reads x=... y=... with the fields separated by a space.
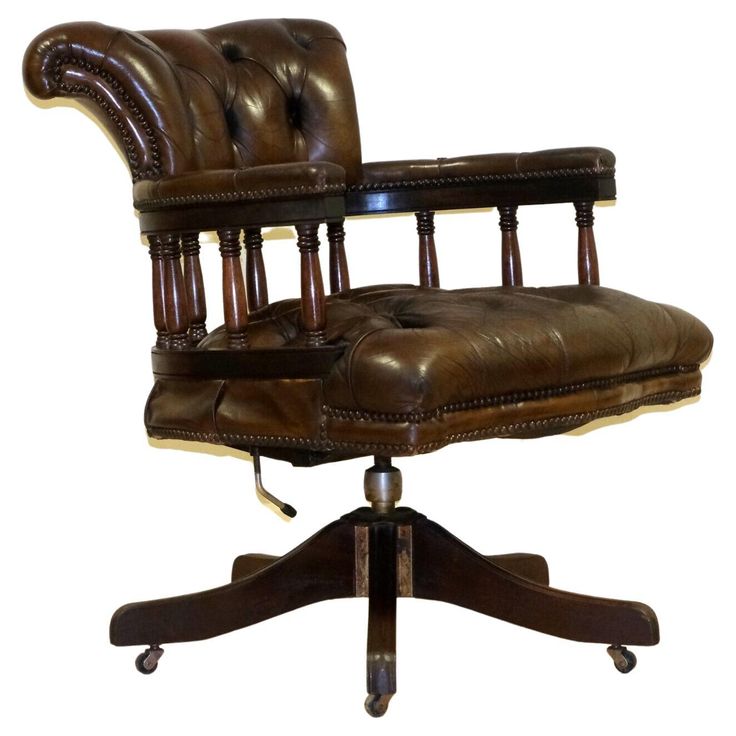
x=254 y=124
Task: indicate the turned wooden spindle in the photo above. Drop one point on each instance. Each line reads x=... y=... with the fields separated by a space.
x=175 y=297
x=194 y=283
x=339 y=276
x=314 y=316
x=157 y=284
x=587 y=255
x=233 y=289
x=255 y=271
x=429 y=274
x=510 y=256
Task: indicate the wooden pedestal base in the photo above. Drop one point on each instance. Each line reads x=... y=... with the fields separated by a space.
x=384 y=556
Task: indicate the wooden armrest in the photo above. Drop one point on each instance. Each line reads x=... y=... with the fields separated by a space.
x=254 y=196
x=270 y=363
x=490 y=180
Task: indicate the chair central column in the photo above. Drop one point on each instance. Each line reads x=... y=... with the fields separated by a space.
x=382 y=485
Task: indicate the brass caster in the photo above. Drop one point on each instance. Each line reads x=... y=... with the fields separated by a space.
x=623 y=659
x=377 y=705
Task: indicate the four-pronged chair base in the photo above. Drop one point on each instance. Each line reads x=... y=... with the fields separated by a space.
x=384 y=556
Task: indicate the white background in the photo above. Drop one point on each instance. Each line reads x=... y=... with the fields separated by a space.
x=95 y=515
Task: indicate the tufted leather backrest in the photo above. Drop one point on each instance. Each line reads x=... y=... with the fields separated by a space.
x=238 y=95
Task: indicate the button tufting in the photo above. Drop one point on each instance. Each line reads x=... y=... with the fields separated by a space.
x=231 y=121
x=301 y=40
x=294 y=112
x=230 y=52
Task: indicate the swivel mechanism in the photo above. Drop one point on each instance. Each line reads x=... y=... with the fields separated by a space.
x=382 y=485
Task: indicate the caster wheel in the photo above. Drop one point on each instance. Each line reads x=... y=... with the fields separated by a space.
x=623 y=659
x=377 y=705
x=147 y=662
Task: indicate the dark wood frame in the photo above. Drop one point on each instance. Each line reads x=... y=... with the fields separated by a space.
x=384 y=556
x=179 y=303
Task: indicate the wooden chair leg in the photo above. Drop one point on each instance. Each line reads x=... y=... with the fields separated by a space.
x=251 y=563
x=381 y=651
x=401 y=553
x=446 y=569
x=320 y=569
x=523 y=564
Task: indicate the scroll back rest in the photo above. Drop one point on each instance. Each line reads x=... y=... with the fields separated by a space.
x=243 y=94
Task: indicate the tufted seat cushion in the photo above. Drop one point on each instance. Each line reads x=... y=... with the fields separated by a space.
x=422 y=368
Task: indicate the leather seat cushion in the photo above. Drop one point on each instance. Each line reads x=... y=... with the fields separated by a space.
x=426 y=367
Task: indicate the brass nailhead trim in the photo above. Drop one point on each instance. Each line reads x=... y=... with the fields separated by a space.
x=439 y=181
x=374 y=448
x=252 y=194
x=498 y=400
x=79 y=90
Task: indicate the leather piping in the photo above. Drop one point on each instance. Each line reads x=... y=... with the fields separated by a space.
x=499 y=400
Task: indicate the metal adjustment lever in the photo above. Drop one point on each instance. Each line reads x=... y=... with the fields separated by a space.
x=284 y=508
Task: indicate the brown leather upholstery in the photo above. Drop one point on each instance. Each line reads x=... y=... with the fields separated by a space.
x=274 y=181
x=202 y=116
x=559 y=162
x=245 y=94
x=425 y=367
x=228 y=126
